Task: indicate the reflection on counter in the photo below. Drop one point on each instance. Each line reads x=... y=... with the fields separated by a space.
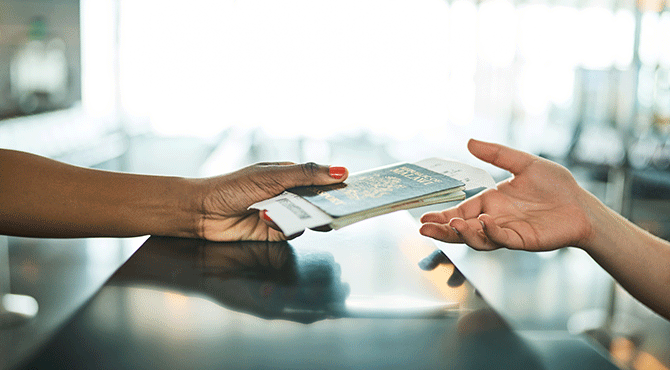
x=272 y=281
x=188 y=303
x=269 y=280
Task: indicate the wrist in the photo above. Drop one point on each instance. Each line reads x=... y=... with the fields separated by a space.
x=194 y=206
x=181 y=214
x=596 y=213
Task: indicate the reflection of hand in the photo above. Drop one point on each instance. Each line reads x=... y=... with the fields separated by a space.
x=245 y=257
x=438 y=258
x=224 y=204
x=270 y=280
x=540 y=208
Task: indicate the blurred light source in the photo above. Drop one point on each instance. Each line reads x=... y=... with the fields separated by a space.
x=646 y=361
x=562 y=83
x=533 y=89
x=497 y=32
x=651 y=5
x=534 y=32
x=98 y=23
x=462 y=61
x=624 y=36
x=296 y=67
x=597 y=37
x=399 y=69
x=664 y=39
x=24 y=306
x=563 y=35
x=649 y=39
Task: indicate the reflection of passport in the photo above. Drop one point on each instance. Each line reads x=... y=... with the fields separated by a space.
x=380 y=189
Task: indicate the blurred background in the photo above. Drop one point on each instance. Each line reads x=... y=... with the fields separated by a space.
x=204 y=87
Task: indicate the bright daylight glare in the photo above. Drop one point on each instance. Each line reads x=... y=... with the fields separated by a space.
x=319 y=68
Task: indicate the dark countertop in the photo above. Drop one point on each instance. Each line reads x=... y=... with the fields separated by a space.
x=372 y=295
x=62 y=275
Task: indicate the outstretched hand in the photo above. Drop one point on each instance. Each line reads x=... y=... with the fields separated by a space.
x=538 y=209
x=225 y=216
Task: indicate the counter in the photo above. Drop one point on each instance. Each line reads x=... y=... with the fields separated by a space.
x=372 y=295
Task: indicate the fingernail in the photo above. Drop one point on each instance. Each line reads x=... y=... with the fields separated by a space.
x=336 y=172
x=265 y=216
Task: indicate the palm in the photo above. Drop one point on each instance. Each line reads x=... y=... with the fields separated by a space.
x=533 y=218
x=538 y=209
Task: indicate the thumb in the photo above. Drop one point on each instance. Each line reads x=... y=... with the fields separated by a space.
x=309 y=173
x=501 y=156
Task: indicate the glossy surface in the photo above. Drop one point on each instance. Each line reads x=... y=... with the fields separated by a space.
x=372 y=295
x=61 y=275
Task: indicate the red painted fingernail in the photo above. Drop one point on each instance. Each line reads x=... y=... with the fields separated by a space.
x=337 y=172
x=265 y=216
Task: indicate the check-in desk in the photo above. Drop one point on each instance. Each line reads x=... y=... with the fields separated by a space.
x=375 y=294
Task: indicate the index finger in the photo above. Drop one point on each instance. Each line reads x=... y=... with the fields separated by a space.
x=305 y=174
x=501 y=156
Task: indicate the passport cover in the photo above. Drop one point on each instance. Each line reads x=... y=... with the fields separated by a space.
x=378 y=188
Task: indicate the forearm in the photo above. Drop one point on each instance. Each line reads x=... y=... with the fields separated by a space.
x=44 y=198
x=638 y=260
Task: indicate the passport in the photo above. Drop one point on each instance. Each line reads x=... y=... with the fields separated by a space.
x=373 y=193
x=378 y=188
